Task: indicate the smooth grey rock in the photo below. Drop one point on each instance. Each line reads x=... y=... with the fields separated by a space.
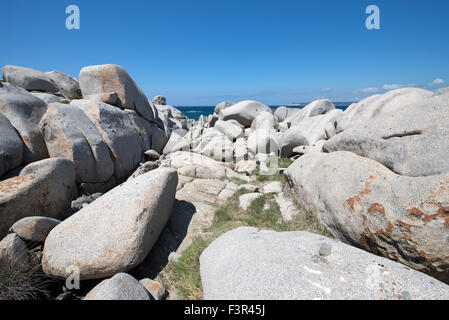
x=14 y=249
x=119 y=133
x=307 y=132
x=231 y=128
x=34 y=228
x=264 y=120
x=216 y=145
x=67 y=85
x=363 y=203
x=11 y=146
x=111 y=78
x=313 y=109
x=48 y=97
x=410 y=139
x=177 y=142
x=29 y=79
x=122 y=286
x=251 y=264
x=221 y=106
x=282 y=113
x=244 y=112
x=44 y=188
x=380 y=104
x=273 y=187
x=69 y=133
x=24 y=111
x=115 y=232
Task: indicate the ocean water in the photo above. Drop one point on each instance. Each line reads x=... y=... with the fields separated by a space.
x=196 y=112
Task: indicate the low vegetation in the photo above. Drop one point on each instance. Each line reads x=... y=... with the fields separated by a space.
x=22 y=281
x=264 y=213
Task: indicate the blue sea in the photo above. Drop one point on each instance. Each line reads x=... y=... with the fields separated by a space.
x=196 y=112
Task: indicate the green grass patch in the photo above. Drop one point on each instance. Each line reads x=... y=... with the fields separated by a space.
x=263 y=213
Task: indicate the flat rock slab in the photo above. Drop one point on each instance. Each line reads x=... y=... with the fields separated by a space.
x=114 y=233
x=251 y=264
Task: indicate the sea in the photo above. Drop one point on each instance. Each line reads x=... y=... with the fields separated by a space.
x=195 y=112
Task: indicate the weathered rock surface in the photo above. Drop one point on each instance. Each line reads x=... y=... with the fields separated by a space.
x=67 y=85
x=119 y=133
x=69 y=133
x=115 y=232
x=29 y=79
x=411 y=139
x=363 y=203
x=34 y=228
x=307 y=132
x=24 y=111
x=109 y=78
x=251 y=264
x=122 y=286
x=380 y=105
x=231 y=128
x=244 y=112
x=154 y=288
x=13 y=248
x=44 y=188
x=313 y=109
x=11 y=146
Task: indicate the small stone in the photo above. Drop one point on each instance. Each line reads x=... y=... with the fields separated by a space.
x=325 y=250
x=156 y=290
x=174 y=257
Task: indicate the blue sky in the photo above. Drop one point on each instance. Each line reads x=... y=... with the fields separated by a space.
x=201 y=52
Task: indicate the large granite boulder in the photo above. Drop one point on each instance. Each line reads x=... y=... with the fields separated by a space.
x=214 y=144
x=118 y=132
x=34 y=229
x=69 y=133
x=307 y=132
x=231 y=128
x=313 y=109
x=282 y=113
x=122 y=286
x=115 y=232
x=252 y=264
x=11 y=146
x=44 y=188
x=244 y=112
x=373 y=106
x=109 y=78
x=29 y=79
x=67 y=85
x=24 y=111
x=364 y=203
x=410 y=139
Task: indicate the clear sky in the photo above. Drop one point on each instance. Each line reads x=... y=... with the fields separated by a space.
x=201 y=52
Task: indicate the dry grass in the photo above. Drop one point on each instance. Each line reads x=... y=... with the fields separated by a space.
x=22 y=281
